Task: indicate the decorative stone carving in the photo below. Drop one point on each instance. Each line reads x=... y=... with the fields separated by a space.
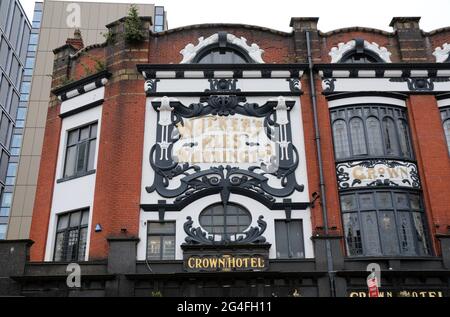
x=442 y=54
x=338 y=52
x=190 y=50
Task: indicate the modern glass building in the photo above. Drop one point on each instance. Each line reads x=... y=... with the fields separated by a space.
x=16 y=62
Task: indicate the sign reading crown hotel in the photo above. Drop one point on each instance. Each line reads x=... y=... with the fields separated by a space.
x=225 y=263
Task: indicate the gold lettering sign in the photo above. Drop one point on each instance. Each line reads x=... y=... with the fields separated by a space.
x=218 y=139
x=226 y=263
x=404 y=293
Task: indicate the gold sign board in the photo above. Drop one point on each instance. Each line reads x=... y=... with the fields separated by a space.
x=405 y=293
x=225 y=263
x=219 y=139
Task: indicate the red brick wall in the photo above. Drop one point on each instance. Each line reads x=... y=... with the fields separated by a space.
x=45 y=184
x=329 y=168
x=432 y=158
x=119 y=167
x=166 y=49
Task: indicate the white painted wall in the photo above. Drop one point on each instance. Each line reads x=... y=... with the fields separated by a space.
x=366 y=100
x=81 y=100
x=256 y=208
x=378 y=84
x=443 y=102
x=79 y=192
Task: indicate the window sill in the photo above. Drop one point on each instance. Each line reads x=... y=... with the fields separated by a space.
x=64 y=179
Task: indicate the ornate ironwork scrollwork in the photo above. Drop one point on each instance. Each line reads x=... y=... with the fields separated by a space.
x=420 y=83
x=199 y=236
x=194 y=182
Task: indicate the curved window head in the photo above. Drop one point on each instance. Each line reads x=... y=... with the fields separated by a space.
x=217 y=55
x=222 y=48
x=359 y=51
x=360 y=54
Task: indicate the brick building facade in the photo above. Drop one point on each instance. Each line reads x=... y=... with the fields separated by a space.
x=352 y=164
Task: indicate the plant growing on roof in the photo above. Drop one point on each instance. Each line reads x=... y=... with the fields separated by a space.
x=133 y=26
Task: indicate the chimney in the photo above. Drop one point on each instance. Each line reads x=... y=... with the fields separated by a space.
x=76 y=41
x=300 y=26
x=410 y=39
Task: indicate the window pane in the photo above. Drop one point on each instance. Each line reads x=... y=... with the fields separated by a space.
x=75 y=219
x=388 y=233
x=70 y=161
x=358 y=136
x=159 y=20
x=168 y=248
x=72 y=245
x=384 y=200
x=3 y=231
x=6 y=199
x=63 y=221
x=94 y=130
x=390 y=138
x=161 y=227
x=415 y=202
x=72 y=138
x=348 y=202
x=281 y=239
x=296 y=239
x=366 y=201
x=401 y=201
x=85 y=218
x=406 y=234
x=404 y=138
x=84 y=133
x=82 y=244
x=91 y=158
x=59 y=247
x=81 y=158
x=374 y=136
x=352 y=234
x=421 y=237
x=153 y=247
x=370 y=232
x=341 y=147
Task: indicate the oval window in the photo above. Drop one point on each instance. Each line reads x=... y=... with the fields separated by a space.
x=226 y=223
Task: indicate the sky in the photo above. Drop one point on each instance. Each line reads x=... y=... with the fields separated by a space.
x=276 y=14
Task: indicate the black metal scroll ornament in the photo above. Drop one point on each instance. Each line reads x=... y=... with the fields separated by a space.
x=195 y=183
x=196 y=236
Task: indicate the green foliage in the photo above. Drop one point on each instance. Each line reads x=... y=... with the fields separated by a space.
x=110 y=37
x=133 y=26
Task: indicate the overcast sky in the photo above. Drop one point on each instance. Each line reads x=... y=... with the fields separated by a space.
x=276 y=14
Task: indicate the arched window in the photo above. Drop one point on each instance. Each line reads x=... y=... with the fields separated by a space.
x=390 y=137
x=341 y=148
x=225 y=222
x=374 y=136
x=373 y=131
x=358 y=136
x=222 y=56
